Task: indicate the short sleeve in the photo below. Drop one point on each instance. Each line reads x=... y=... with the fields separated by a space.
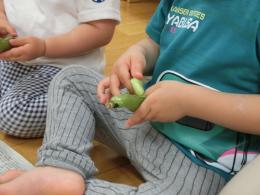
x=157 y=21
x=91 y=10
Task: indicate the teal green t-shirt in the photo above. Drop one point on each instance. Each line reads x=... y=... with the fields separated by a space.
x=215 y=44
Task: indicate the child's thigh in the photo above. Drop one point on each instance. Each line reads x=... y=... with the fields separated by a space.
x=23 y=103
x=30 y=88
x=18 y=77
x=11 y=72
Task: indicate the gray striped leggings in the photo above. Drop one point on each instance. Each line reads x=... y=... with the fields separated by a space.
x=75 y=116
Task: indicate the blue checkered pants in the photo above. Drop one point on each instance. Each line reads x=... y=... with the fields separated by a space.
x=23 y=98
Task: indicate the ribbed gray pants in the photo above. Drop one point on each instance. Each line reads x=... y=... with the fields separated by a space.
x=75 y=115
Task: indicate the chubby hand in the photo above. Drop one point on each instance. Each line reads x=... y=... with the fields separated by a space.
x=164 y=102
x=130 y=64
x=24 y=49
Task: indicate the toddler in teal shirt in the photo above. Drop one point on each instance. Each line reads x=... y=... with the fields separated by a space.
x=198 y=125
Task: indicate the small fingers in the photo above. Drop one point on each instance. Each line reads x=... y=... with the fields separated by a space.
x=121 y=69
x=137 y=70
x=124 y=77
x=103 y=90
x=114 y=85
x=11 y=31
x=7 y=30
x=139 y=116
x=12 y=54
x=151 y=89
x=17 y=42
x=3 y=32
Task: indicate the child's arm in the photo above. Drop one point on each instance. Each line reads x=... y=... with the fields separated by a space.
x=85 y=37
x=171 y=100
x=237 y=111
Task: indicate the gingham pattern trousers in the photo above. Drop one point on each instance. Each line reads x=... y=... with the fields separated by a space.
x=23 y=98
x=75 y=116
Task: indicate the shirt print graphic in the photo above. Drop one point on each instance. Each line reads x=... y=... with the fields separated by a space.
x=182 y=18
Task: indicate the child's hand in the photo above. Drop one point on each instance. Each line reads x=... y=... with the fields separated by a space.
x=163 y=103
x=24 y=49
x=6 y=28
x=130 y=64
x=103 y=92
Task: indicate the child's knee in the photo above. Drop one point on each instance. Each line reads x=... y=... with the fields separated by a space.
x=22 y=118
x=74 y=75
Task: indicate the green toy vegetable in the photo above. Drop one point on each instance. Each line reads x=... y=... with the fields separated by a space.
x=4 y=43
x=129 y=101
x=137 y=86
x=132 y=102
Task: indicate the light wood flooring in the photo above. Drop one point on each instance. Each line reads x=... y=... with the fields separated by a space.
x=112 y=167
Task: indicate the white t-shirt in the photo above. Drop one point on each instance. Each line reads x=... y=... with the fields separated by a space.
x=45 y=18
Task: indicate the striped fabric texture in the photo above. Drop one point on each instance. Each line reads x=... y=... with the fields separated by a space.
x=23 y=98
x=75 y=117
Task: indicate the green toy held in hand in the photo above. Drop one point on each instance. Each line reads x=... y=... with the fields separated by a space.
x=4 y=43
x=129 y=101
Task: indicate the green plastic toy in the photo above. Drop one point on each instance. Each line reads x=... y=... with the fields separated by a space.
x=129 y=101
x=4 y=43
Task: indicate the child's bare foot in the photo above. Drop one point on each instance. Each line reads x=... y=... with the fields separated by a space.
x=43 y=181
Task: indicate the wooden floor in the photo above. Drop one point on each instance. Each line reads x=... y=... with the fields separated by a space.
x=111 y=166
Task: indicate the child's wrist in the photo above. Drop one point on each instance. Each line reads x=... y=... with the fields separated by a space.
x=184 y=98
x=192 y=98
